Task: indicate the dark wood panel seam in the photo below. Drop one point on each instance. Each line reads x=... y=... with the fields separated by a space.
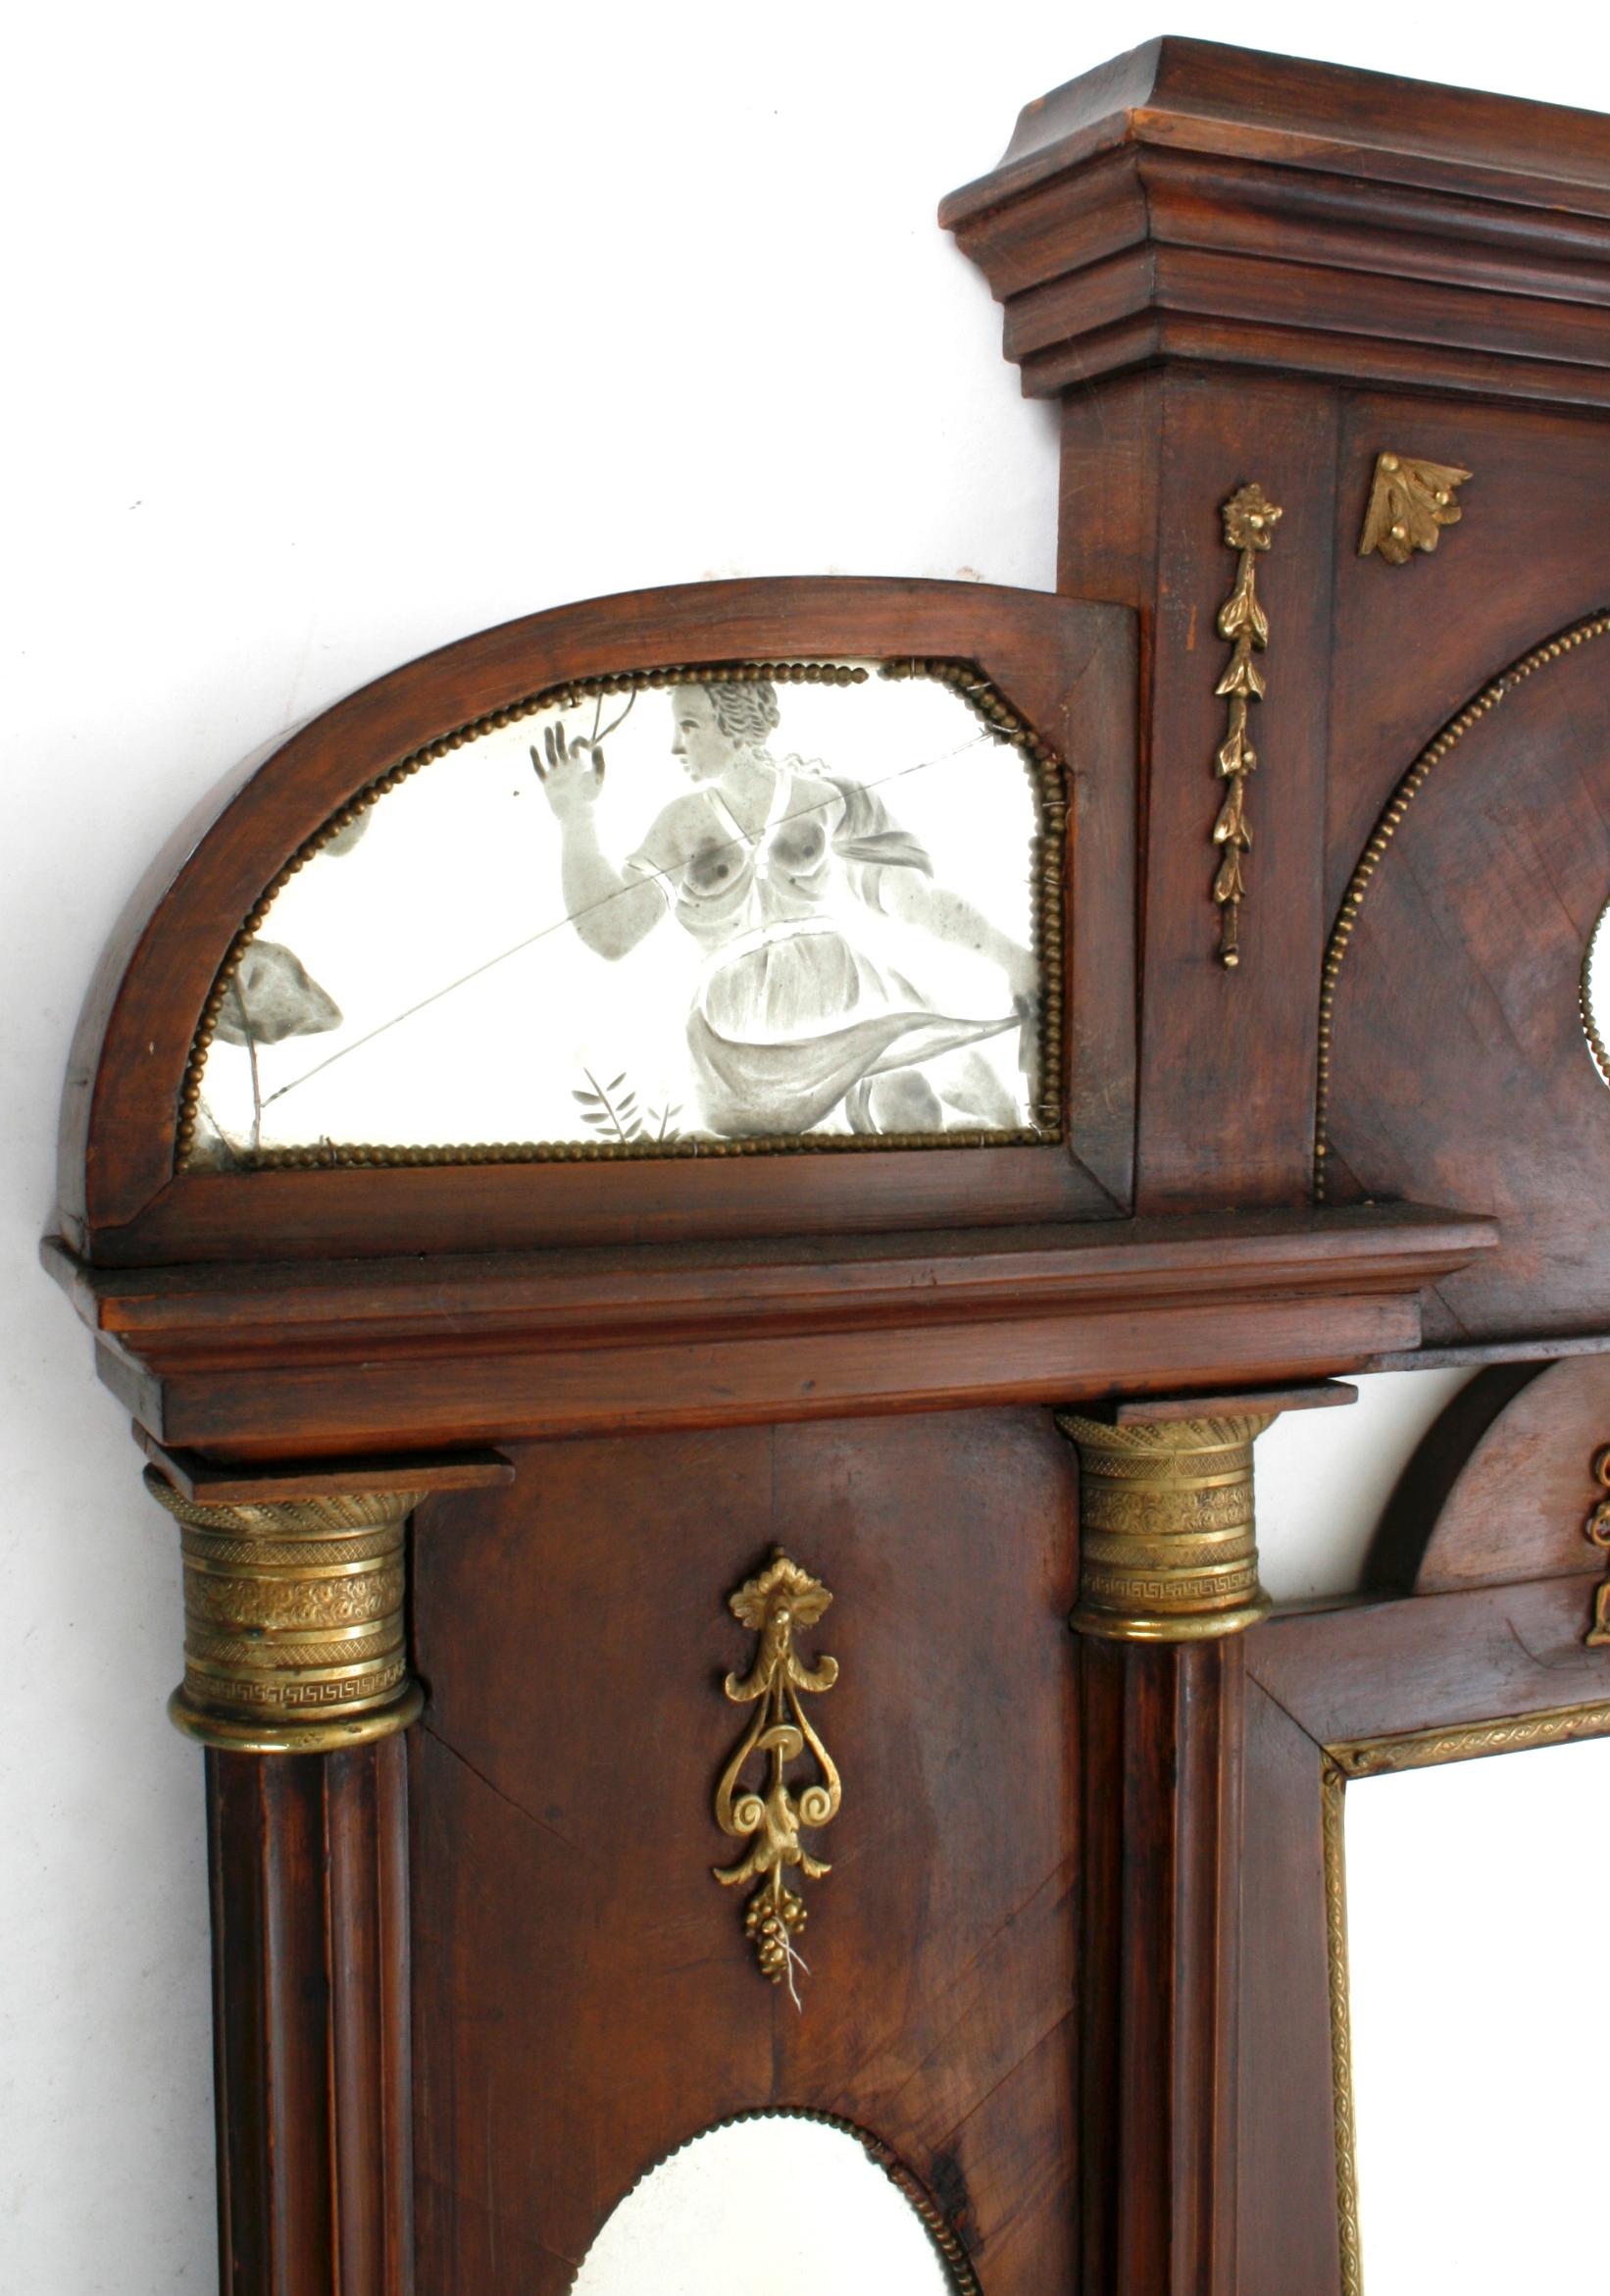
x=1320 y=1750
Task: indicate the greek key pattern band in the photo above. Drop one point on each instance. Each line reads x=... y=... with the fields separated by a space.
x=1168 y=1546
x=294 y=1637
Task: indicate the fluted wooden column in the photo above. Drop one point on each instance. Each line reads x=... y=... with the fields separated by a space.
x=1169 y=1585
x=296 y=1682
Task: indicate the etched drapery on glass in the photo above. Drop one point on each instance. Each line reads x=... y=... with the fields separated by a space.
x=777 y=904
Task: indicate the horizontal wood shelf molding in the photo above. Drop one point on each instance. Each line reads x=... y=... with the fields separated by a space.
x=357 y=1357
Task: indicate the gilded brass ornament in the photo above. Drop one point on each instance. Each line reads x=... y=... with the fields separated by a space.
x=1167 y=1545
x=783 y=1598
x=1410 y=503
x=1333 y=1788
x=1250 y=518
x=1598 y=1530
x=294 y=1620
x=1418 y=1750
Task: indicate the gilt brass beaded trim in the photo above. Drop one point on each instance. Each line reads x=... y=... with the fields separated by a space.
x=1046 y=937
x=294 y=1636
x=1553 y=649
x=1167 y=1545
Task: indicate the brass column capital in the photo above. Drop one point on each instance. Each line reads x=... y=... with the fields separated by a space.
x=1168 y=1547
x=294 y=1637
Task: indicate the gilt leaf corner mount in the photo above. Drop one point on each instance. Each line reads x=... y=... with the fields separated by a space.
x=1410 y=502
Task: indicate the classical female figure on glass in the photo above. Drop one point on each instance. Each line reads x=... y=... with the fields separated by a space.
x=810 y=906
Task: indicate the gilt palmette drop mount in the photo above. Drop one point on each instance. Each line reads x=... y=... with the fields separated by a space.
x=782 y=1598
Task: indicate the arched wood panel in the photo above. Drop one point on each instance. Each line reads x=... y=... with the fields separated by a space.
x=1458 y=1066
x=1502 y=1487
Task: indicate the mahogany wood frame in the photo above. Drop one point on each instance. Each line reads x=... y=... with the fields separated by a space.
x=1489 y=1630
x=1071 y=1973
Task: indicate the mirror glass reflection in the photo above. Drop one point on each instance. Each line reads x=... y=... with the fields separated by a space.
x=1595 y=993
x=1477 y=1894
x=772 y=2205
x=731 y=907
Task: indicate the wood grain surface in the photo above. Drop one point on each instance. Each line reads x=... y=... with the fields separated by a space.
x=1071 y=1960
x=591 y=1999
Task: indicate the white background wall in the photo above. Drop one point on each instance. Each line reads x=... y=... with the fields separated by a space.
x=336 y=331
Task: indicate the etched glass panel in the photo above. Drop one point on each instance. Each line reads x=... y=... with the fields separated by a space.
x=1476 y=1895
x=792 y=2207
x=798 y=905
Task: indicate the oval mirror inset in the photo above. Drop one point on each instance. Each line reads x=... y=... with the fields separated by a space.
x=796 y=2205
x=1595 y=993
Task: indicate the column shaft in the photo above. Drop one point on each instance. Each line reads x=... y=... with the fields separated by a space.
x=296 y=1681
x=1168 y=1586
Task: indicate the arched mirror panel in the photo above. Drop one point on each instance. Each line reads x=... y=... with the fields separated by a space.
x=696 y=882
x=794 y=903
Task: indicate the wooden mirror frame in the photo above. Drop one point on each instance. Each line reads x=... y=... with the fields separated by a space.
x=541 y=1425
x=1485 y=1635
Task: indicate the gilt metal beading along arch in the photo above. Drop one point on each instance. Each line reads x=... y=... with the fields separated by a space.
x=906 y=2181
x=972 y=686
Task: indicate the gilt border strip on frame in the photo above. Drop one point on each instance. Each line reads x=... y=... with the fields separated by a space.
x=1553 y=649
x=1333 y=1788
x=882 y=2156
x=1047 y=916
x=1375 y=1758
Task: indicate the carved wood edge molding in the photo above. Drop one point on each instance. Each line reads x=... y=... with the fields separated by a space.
x=1542 y=657
x=368 y=1357
x=1195 y=203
